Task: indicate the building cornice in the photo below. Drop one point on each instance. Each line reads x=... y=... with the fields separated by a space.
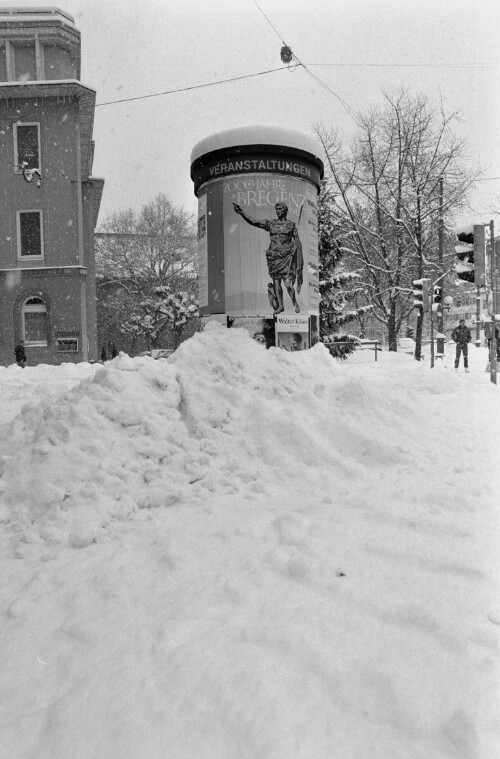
x=18 y=15
x=45 y=269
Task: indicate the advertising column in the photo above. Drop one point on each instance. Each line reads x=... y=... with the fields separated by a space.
x=258 y=233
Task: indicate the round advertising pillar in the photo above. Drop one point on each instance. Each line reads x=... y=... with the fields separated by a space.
x=257 y=190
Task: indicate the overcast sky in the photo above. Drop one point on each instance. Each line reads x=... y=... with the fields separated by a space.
x=447 y=49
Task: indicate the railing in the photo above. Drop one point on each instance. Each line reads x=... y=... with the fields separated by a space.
x=360 y=344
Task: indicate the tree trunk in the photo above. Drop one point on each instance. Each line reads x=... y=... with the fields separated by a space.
x=392 y=328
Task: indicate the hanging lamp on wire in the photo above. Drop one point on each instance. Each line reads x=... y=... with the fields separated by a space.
x=286 y=54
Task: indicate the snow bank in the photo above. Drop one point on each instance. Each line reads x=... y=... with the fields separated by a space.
x=222 y=416
x=246 y=553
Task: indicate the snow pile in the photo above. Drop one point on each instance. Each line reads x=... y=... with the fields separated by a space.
x=247 y=553
x=223 y=416
x=34 y=382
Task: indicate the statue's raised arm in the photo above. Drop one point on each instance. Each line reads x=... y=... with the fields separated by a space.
x=250 y=219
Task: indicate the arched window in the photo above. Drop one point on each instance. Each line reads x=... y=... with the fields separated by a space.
x=34 y=315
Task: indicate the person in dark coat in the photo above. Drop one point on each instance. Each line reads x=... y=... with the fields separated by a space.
x=20 y=354
x=103 y=355
x=462 y=336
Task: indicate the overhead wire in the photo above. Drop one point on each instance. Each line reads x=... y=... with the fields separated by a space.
x=193 y=87
x=409 y=65
x=269 y=21
x=350 y=111
x=281 y=68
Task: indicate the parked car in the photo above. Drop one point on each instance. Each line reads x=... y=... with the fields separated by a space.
x=158 y=353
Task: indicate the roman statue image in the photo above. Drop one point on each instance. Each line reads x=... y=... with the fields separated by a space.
x=284 y=256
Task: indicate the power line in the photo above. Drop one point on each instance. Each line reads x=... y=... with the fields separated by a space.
x=328 y=89
x=272 y=71
x=193 y=87
x=409 y=65
x=268 y=21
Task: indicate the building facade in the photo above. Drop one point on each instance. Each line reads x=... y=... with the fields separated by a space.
x=49 y=201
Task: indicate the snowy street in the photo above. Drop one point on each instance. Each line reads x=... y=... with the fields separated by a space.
x=247 y=554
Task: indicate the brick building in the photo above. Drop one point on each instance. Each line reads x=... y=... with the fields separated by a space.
x=49 y=202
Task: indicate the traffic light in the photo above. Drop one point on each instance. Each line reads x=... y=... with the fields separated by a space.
x=471 y=254
x=421 y=293
x=436 y=297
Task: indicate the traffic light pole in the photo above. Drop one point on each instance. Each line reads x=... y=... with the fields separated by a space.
x=478 y=317
x=440 y=313
x=431 y=288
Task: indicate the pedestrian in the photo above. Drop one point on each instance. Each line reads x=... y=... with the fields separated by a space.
x=103 y=355
x=114 y=351
x=462 y=337
x=20 y=354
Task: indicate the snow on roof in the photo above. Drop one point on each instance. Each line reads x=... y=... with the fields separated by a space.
x=23 y=15
x=256 y=135
x=468 y=228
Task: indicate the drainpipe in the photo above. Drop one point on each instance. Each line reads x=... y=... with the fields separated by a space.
x=81 y=256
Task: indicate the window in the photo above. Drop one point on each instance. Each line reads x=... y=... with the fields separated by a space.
x=25 y=62
x=58 y=62
x=34 y=314
x=3 y=64
x=29 y=234
x=27 y=145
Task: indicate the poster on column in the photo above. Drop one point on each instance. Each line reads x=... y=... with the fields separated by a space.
x=260 y=328
x=292 y=332
x=202 y=253
x=267 y=227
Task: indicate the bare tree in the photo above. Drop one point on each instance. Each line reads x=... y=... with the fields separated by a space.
x=146 y=266
x=386 y=190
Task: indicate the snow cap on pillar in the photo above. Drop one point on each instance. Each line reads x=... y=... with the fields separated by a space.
x=254 y=140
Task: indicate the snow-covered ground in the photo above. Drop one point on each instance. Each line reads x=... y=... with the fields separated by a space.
x=248 y=554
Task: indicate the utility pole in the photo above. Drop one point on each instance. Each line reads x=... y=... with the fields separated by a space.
x=478 y=317
x=440 y=313
x=420 y=317
x=479 y=273
x=431 y=290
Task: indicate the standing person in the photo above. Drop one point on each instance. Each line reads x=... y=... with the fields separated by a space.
x=103 y=355
x=20 y=354
x=284 y=257
x=462 y=336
